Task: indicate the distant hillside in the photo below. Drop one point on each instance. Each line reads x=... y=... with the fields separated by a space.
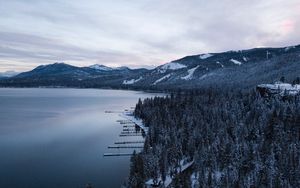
x=64 y=75
x=243 y=68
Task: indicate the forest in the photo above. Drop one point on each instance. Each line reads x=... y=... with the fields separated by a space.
x=235 y=138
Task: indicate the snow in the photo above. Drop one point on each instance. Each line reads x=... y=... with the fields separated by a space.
x=245 y=58
x=204 y=76
x=132 y=81
x=283 y=87
x=220 y=64
x=161 y=79
x=288 y=48
x=194 y=180
x=235 y=62
x=121 y=68
x=207 y=75
x=101 y=67
x=190 y=73
x=205 y=56
x=168 y=181
x=171 y=66
x=8 y=74
x=217 y=175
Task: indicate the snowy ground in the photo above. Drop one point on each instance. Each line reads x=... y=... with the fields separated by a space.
x=132 y=81
x=161 y=79
x=235 y=62
x=171 y=66
x=168 y=181
x=194 y=180
x=282 y=88
x=205 y=56
x=190 y=73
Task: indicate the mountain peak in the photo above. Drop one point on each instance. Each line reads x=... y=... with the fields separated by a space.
x=122 y=68
x=8 y=73
x=100 y=67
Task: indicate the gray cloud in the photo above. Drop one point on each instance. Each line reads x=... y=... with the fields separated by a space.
x=138 y=32
x=24 y=46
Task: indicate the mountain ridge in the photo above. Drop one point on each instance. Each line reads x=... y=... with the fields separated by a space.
x=251 y=66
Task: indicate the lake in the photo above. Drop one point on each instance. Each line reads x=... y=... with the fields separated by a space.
x=56 y=137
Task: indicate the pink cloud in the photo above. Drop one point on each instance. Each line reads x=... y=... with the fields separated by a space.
x=287 y=26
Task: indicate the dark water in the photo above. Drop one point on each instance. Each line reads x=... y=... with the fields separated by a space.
x=57 y=137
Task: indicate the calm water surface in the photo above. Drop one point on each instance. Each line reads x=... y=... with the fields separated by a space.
x=57 y=137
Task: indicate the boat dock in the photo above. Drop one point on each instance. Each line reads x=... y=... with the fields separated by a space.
x=116 y=154
x=131 y=142
x=130 y=129
x=124 y=147
x=122 y=135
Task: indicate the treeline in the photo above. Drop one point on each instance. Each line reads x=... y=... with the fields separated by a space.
x=237 y=139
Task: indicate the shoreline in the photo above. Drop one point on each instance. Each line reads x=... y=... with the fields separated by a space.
x=104 y=88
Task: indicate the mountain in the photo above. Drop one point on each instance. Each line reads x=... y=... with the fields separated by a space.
x=64 y=75
x=243 y=68
x=101 y=67
x=8 y=74
x=105 y=68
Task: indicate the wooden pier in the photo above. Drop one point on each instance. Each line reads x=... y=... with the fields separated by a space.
x=125 y=121
x=122 y=135
x=132 y=126
x=126 y=129
x=111 y=111
x=124 y=147
x=130 y=132
x=116 y=154
x=131 y=142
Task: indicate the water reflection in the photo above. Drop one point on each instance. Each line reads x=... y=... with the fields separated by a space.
x=57 y=137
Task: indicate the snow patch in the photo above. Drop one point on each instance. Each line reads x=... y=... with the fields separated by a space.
x=161 y=79
x=101 y=67
x=245 y=59
x=190 y=73
x=8 y=74
x=206 y=75
x=220 y=64
x=288 y=48
x=171 y=66
x=205 y=56
x=235 y=62
x=282 y=88
x=132 y=81
x=183 y=166
x=194 y=180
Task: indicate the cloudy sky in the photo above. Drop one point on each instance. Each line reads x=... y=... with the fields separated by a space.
x=138 y=33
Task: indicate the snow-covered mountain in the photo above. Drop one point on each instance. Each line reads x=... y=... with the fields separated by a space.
x=62 y=74
x=105 y=68
x=247 y=67
x=8 y=74
x=243 y=68
x=101 y=67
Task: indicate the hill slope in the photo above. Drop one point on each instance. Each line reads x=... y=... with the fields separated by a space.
x=244 y=68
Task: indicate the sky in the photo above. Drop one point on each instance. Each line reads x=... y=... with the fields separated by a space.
x=138 y=33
